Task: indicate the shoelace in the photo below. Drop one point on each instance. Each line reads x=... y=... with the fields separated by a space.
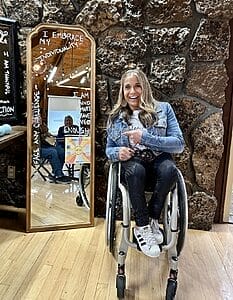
x=148 y=235
x=156 y=225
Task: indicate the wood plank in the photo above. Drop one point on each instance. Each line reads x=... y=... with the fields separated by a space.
x=80 y=271
x=36 y=285
x=3 y=289
x=58 y=273
x=12 y=208
x=93 y=287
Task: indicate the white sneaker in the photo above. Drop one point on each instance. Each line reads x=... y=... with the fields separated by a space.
x=156 y=231
x=146 y=241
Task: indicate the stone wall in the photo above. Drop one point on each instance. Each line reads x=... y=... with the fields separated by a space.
x=182 y=45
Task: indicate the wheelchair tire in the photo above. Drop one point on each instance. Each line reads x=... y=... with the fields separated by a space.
x=171 y=289
x=120 y=285
x=167 y=218
x=84 y=182
x=111 y=207
x=183 y=213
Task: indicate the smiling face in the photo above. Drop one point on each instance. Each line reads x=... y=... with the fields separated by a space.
x=132 y=91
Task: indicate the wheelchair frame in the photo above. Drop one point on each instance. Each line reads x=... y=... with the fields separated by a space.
x=175 y=224
x=84 y=180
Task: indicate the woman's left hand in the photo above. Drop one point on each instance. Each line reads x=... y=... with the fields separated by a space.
x=135 y=136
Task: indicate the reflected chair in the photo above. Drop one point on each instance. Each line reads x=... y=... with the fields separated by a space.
x=42 y=169
x=72 y=169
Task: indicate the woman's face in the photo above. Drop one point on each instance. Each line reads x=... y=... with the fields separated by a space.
x=132 y=91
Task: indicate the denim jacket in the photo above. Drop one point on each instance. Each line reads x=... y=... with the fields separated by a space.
x=164 y=136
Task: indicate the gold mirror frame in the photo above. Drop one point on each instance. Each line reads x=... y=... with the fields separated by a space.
x=60 y=76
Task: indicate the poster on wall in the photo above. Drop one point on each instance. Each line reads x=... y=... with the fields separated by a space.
x=9 y=78
x=77 y=149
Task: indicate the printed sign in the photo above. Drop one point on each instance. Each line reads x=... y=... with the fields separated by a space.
x=9 y=80
x=85 y=114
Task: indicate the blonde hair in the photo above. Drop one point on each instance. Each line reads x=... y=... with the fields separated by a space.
x=147 y=103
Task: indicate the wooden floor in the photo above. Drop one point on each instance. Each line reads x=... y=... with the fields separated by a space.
x=75 y=264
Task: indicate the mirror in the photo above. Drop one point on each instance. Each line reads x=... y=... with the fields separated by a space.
x=60 y=127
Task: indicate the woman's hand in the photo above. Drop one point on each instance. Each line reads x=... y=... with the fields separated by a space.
x=125 y=153
x=135 y=136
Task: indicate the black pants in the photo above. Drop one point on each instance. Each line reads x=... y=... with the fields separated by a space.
x=161 y=174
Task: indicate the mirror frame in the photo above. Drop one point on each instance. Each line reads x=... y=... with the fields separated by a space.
x=35 y=31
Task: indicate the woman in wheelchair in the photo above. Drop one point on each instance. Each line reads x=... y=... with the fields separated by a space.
x=143 y=133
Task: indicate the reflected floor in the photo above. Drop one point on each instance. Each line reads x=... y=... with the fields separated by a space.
x=55 y=204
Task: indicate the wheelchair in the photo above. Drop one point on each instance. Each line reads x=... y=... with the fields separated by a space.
x=174 y=219
x=83 y=178
x=84 y=183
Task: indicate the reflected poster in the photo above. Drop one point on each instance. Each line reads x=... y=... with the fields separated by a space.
x=78 y=149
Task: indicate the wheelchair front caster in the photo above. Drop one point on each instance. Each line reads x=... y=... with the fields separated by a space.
x=171 y=289
x=79 y=200
x=120 y=285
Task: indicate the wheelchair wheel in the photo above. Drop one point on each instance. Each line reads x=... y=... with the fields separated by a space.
x=111 y=206
x=120 y=285
x=167 y=218
x=171 y=289
x=183 y=213
x=84 y=182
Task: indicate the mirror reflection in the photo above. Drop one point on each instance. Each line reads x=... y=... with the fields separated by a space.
x=61 y=74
